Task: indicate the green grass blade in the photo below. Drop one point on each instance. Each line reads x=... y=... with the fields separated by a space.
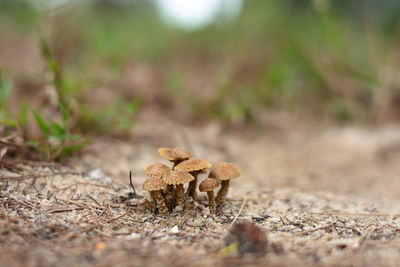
x=41 y=123
x=59 y=131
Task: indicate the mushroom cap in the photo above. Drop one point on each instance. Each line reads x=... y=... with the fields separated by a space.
x=208 y=185
x=174 y=154
x=193 y=164
x=178 y=177
x=224 y=171
x=154 y=184
x=157 y=170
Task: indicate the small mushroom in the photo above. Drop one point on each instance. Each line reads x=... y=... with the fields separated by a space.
x=178 y=178
x=155 y=185
x=157 y=170
x=208 y=185
x=224 y=171
x=175 y=155
x=194 y=166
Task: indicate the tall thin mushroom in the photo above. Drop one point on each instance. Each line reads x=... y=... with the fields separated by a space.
x=194 y=166
x=224 y=171
x=155 y=186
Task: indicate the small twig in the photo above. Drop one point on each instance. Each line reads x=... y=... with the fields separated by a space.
x=62 y=188
x=22 y=202
x=28 y=204
x=240 y=211
x=9 y=166
x=35 y=176
x=92 y=198
x=308 y=231
x=130 y=182
x=283 y=222
x=33 y=163
x=85 y=205
x=118 y=217
x=315 y=229
x=395 y=227
x=8 y=143
x=364 y=238
x=353 y=214
x=92 y=184
x=109 y=208
x=357 y=257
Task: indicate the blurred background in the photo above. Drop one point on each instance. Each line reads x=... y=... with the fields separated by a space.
x=95 y=67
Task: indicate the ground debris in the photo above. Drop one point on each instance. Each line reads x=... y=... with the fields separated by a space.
x=245 y=238
x=61 y=207
x=53 y=214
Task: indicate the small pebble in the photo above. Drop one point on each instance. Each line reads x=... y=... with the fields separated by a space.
x=96 y=174
x=133 y=236
x=174 y=229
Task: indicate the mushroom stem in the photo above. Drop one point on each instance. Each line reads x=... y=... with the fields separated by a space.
x=222 y=192
x=169 y=197
x=162 y=208
x=211 y=201
x=180 y=194
x=169 y=189
x=191 y=191
x=188 y=204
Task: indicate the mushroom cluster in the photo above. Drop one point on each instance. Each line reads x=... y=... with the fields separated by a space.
x=166 y=185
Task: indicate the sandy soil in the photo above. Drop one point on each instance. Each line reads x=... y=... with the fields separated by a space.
x=323 y=197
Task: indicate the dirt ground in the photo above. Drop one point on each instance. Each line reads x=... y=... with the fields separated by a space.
x=323 y=196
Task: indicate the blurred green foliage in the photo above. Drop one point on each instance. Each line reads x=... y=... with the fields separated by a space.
x=322 y=57
x=6 y=117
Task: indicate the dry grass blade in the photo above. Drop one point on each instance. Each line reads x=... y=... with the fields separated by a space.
x=5 y=142
x=315 y=229
x=83 y=205
x=239 y=212
x=118 y=217
x=354 y=214
x=36 y=176
x=60 y=208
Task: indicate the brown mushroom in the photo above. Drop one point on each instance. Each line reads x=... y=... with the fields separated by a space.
x=224 y=171
x=194 y=166
x=175 y=155
x=157 y=170
x=155 y=185
x=208 y=185
x=178 y=178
